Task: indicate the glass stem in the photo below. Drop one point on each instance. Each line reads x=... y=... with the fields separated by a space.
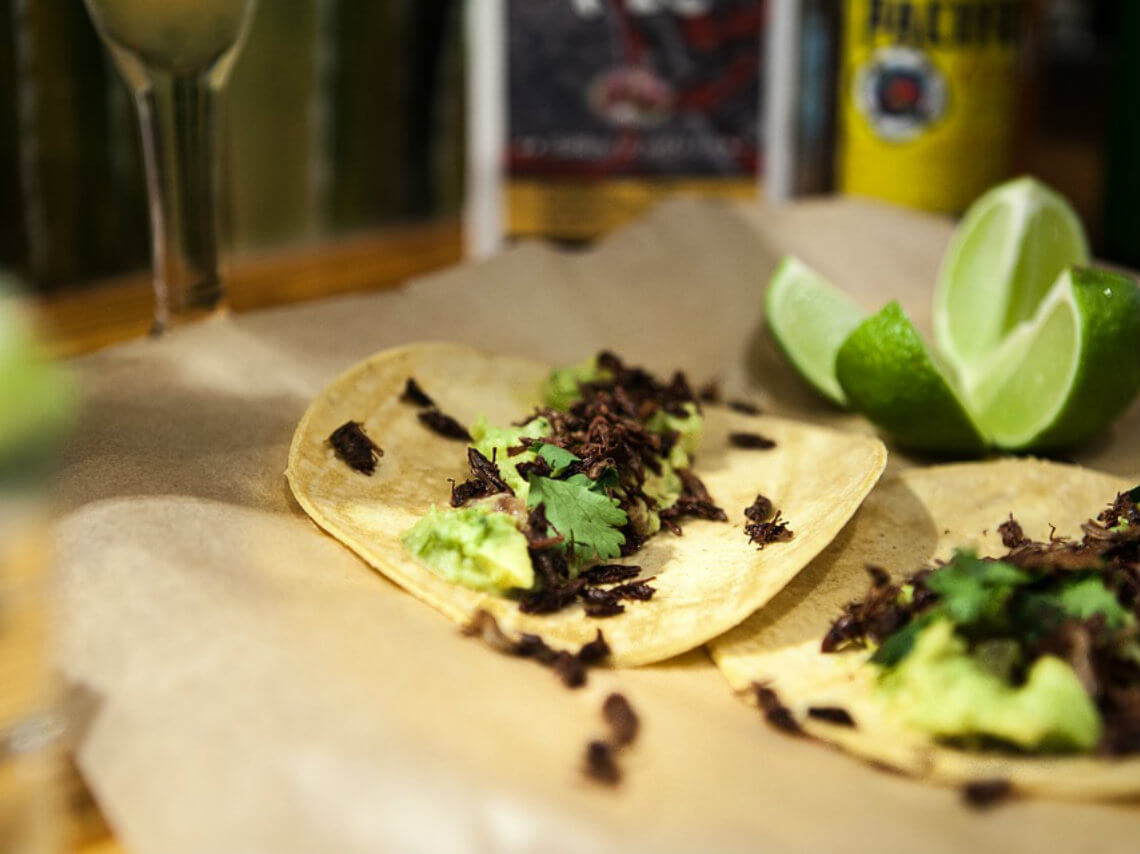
x=178 y=116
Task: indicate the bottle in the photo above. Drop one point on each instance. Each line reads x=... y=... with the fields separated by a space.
x=1122 y=184
x=928 y=99
x=584 y=113
x=55 y=165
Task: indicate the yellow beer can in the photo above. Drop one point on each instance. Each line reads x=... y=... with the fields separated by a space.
x=927 y=99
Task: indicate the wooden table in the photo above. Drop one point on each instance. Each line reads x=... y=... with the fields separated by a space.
x=108 y=312
x=97 y=315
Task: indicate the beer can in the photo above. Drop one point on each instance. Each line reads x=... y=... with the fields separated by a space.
x=927 y=99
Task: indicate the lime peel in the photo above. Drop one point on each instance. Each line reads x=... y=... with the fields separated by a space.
x=810 y=318
x=890 y=376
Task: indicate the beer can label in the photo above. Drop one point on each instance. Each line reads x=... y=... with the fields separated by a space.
x=927 y=99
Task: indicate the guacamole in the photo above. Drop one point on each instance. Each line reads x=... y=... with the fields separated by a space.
x=689 y=428
x=941 y=689
x=1037 y=651
x=473 y=546
x=563 y=385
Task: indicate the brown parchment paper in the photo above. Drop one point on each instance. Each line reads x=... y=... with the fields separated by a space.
x=259 y=688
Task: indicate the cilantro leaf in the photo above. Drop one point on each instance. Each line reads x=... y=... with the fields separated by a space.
x=584 y=516
x=1086 y=597
x=557 y=458
x=1083 y=595
x=972 y=590
x=898 y=646
x=608 y=479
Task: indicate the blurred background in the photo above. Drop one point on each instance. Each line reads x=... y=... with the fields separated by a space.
x=342 y=115
x=348 y=117
x=367 y=141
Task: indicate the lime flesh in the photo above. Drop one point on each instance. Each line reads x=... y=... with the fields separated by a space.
x=810 y=319
x=1002 y=261
x=889 y=375
x=1067 y=372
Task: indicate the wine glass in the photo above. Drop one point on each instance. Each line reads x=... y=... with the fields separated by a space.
x=176 y=56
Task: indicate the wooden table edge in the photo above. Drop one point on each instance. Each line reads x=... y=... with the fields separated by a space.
x=97 y=314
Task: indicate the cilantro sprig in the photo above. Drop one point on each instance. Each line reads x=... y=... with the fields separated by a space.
x=580 y=509
x=559 y=459
x=586 y=517
x=973 y=591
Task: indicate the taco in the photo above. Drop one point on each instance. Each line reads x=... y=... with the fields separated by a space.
x=564 y=502
x=904 y=644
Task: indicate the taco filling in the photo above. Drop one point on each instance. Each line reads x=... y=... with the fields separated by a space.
x=601 y=466
x=1037 y=651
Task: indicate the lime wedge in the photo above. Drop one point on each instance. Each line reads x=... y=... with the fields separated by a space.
x=1002 y=260
x=41 y=396
x=1067 y=372
x=889 y=375
x=809 y=319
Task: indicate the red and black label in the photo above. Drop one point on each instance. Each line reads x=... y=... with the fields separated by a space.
x=612 y=88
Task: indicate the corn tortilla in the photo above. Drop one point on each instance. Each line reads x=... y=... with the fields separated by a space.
x=707 y=580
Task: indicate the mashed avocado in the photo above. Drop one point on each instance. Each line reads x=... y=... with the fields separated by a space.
x=940 y=688
x=494 y=442
x=664 y=488
x=473 y=546
x=690 y=429
x=561 y=387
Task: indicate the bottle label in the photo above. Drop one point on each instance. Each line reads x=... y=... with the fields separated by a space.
x=615 y=103
x=927 y=99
